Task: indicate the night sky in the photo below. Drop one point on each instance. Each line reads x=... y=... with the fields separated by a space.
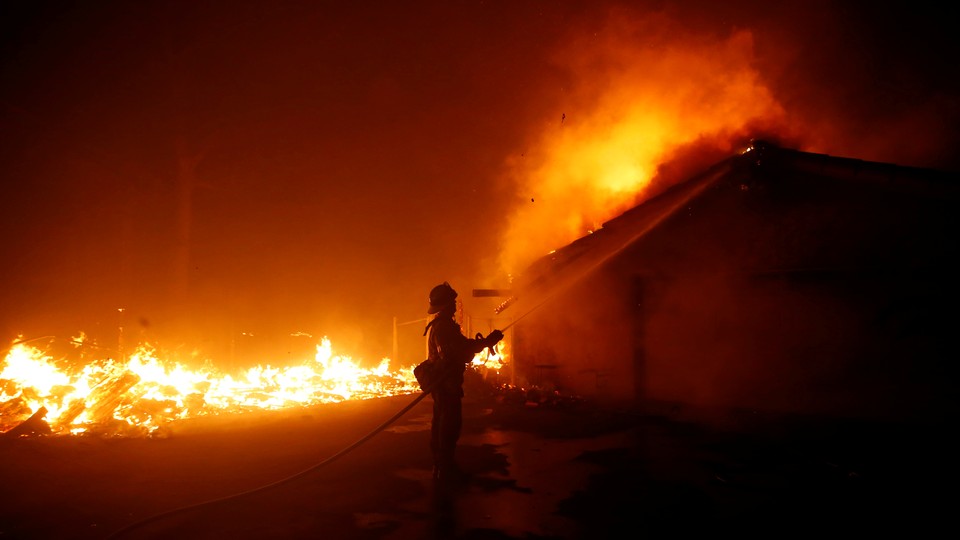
x=259 y=169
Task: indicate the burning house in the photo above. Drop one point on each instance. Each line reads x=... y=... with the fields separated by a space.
x=777 y=281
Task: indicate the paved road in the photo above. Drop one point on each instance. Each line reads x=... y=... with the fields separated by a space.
x=565 y=470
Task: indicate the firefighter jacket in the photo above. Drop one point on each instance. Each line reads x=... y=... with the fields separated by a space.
x=451 y=351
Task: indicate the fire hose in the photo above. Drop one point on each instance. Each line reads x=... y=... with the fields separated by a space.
x=265 y=487
x=424 y=392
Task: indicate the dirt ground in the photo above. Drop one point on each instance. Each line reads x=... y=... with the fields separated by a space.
x=557 y=470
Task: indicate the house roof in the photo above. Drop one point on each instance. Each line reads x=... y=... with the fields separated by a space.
x=762 y=160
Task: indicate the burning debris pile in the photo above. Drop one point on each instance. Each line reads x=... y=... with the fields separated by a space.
x=43 y=395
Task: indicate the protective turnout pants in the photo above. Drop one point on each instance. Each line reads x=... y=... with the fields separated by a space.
x=445 y=432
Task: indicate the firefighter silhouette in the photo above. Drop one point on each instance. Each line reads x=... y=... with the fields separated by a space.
x=450 y=351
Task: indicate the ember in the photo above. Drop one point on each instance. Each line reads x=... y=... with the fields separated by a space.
x=40 y=394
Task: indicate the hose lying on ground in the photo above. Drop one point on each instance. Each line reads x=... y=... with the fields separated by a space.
x=330 y=459
x=365 y=438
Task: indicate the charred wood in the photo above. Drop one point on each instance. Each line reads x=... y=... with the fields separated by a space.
x=106 y=397
x=14 y=407
x=35 y=425
x=100 y=404
x=71 y=413
x=13 y=412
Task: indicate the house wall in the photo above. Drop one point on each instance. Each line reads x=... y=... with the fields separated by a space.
x=833 y=343
x=579 y=342
x=801 y=295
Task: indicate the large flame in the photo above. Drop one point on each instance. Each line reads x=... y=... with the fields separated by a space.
x=144 y=393
x=640 y=90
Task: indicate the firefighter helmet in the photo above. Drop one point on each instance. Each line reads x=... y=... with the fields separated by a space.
x=441 y=296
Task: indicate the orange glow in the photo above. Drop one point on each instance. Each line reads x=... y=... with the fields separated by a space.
x=495 y=362
x=641 y=90
x=139 y=396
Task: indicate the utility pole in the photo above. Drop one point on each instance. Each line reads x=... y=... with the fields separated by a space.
x=120 y=335
x=396 y=351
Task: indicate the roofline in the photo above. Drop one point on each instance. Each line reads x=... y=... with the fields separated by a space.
x=671 y=199
x=760 y=155
x=900 y=178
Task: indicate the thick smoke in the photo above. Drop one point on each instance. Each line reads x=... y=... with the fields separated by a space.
x=654 y=95
x=270 y=169
x=642 y=88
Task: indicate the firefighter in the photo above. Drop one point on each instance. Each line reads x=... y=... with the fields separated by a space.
x=450 y=352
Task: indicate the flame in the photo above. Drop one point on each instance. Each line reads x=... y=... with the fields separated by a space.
x=139 y=396
x=491 y=360
x=640 y=92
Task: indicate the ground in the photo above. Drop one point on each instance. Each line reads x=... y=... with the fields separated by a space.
x=544 y=469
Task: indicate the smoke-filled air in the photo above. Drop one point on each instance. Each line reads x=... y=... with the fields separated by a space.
x=245 y=185
x=638 y=90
